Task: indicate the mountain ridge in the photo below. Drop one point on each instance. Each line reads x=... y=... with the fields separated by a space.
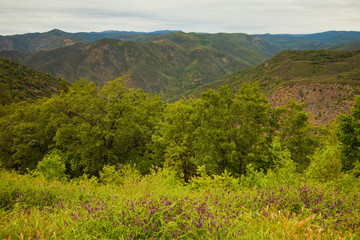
x=312 y=41
x=169 y=64
x=56 y=38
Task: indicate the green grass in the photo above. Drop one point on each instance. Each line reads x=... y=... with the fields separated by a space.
x=159 y=206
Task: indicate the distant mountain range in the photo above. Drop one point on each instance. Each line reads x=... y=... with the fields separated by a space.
x=312 y=41
x=169 y=64
x=56 y=38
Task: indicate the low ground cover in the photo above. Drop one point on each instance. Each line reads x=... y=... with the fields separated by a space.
x=159 y=206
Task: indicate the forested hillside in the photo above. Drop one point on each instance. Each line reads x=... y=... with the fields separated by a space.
x=347 y=46
x=166 y=62
x=19 y=83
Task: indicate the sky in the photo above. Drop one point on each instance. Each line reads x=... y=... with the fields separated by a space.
x=210 y=16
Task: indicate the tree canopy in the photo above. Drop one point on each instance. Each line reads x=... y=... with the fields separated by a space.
x=86 y=128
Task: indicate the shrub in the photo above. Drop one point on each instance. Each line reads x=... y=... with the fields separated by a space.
x=109 y=175
x=252 y=178
x=52 y=166
x=204 y=182
x=326 y=164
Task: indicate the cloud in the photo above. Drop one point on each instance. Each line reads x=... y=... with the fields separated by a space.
x=250 y=16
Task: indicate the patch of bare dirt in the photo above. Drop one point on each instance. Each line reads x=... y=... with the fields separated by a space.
x=324 y=101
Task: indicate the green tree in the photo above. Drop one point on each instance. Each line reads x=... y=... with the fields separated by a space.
x=234 y=131
x=253 y=126
x=296 y=133
x=89 y=126
x=25 y=135
x=221 y=131
x=177 y=135
x=349 y=136
x=105 y=126
x=63 y=86
x=215 y=144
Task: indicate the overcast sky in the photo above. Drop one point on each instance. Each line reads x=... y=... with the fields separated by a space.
x=245 y=16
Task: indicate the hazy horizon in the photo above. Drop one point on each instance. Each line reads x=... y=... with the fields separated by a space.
x=157 y=30
x=210 y=16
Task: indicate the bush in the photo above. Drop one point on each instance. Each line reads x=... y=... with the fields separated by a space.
x=284 y=168
x=204 y=182
x=52 y=166
x=253 y=178
x=326 y=164
x=109 y=175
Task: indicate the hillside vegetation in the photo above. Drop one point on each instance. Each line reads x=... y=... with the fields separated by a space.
x=327 y=80
x=19 y=83
x=169 y=65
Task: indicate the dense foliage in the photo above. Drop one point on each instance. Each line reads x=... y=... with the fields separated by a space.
x=349 y=136
x=87 y=127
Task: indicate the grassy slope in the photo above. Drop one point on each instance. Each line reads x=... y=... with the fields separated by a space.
x=18 y=82
x=326 y=79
